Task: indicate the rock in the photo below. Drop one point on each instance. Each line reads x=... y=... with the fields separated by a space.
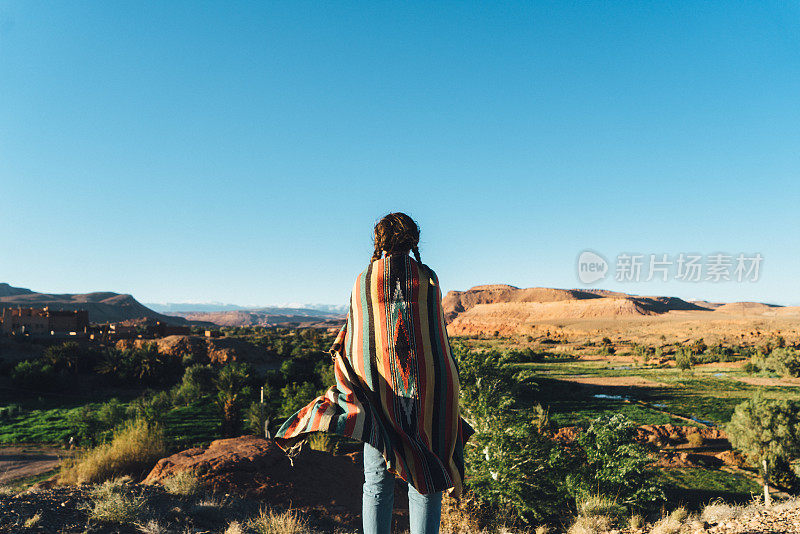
x=256 y=468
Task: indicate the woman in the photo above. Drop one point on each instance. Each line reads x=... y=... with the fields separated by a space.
x=396 y=385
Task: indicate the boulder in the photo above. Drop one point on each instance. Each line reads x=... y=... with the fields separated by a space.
x=324 y=484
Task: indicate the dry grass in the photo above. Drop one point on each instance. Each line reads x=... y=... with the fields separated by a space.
x=269 y=522
x=7 y=491
x=672 y=523
x=600 y=505
x=320 y=441
x=636 y=522
x=590 y=525
x=133 y=450
x=717 y=511
x=694 y=438
x=234 y=528
x=32 y=521
x=151 y=527
x=183 y=484
x=112 y=505
x=789 y=504
x=458 y=516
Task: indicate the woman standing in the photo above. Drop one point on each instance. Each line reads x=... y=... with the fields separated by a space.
x=396 y=385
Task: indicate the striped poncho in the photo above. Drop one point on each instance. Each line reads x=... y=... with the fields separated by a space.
x=396 y=381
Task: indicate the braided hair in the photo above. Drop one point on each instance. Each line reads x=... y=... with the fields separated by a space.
x=396 y=233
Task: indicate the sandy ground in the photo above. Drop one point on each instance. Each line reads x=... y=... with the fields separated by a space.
x=24 y=461
x=766 y=381
x=623 y=381
x=674 y=326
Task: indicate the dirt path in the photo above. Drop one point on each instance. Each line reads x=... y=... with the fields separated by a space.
x=623 y=381
x=25 y=461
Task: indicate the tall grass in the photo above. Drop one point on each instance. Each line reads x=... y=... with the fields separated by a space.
x=288 y=522
x=110 y=504
x=134 y=450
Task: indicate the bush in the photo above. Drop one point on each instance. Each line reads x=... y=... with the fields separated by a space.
x=612 y=463
x=258 y=416
x=183 y=484
x=10 y=412
x=522 y=356
x=288 y=522
x=511 y=465
x=683 y=359
x=111 y=505
x=133 y=451
x=34 y=374
x=783 y=361
x=111 y=414
x=197 y=383
x=151 y=407
x=84 y=424
x=296 y=396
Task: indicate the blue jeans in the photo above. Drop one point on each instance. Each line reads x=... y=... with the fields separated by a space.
x=424 y=511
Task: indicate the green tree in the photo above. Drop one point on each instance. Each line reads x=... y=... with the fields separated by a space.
x=683 y=359
x=512 y=463
x=613 y=464
x=295 y=396
x=232 y=393
x=767 y=431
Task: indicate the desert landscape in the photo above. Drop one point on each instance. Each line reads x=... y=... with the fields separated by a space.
x=677 y=370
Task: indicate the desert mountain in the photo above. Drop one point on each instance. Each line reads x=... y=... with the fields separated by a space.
x=102 y=306
x=599 y=302
x=284 y=317
x=505 y=308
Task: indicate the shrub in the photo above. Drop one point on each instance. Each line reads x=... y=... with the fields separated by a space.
x=614 y=464
x=296 y=396
x=600 y=505
x=269 y=522
x=595 y=524
x=258 y=417
x=111 y=413
x=85 y=425
x=151 y=407
x=135 y=448
x=511 y=465
x=110 y=504
x=785 y=362
x=183 y=484
x=10 y=412
x=526 y=355
x=672 y=523
x=197 y=383
x=34 y=374
x=683 y=359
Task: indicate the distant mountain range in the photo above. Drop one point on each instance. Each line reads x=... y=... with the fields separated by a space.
x=211 y=307
x=103 y=307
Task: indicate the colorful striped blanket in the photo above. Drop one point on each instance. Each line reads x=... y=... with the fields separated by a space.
x=396 y=380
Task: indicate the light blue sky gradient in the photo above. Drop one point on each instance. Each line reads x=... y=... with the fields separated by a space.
x=241 y=152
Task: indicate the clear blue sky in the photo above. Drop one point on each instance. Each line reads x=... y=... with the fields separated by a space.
x=241 y=152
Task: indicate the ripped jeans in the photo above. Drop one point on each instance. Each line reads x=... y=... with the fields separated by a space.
x=424 y=511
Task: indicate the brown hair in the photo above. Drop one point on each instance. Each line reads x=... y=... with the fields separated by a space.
x=396 y=232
